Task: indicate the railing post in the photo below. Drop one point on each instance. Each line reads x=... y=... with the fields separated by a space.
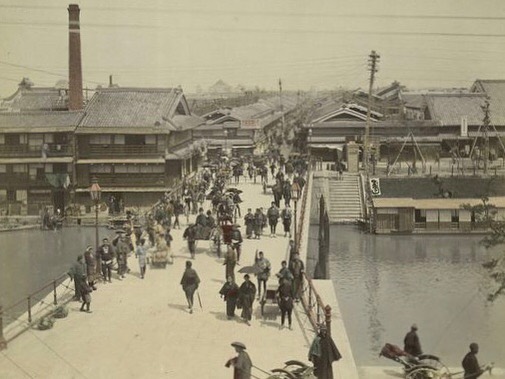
x=310 y=294
x=3 y=342
x=327 y=318
x=29 y=309
x=54 y=293
x=317 y=312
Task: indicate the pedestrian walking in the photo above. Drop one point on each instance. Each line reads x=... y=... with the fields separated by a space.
x=285 y=295
x=236 y=240
x=247 y=291
x=258 y=222
x=122 y=251
x=190 y=235
x=286 y=220
x=77 y=273
x=263 y=266
x=297 y=268
x=273 y=217
x=190 y=282
x=230 y=261
x=242 y=363
x=323 y=352
x=249 y=222
x=471 y=365
x=229 y=292
x=140 y=254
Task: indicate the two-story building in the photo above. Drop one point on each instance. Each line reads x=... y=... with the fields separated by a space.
x=36 y=149
x=136 y=142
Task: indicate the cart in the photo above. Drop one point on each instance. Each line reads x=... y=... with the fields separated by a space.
x=424 y=366
x=269 y=297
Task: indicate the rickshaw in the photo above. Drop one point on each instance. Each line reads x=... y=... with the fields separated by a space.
x=424 y=366
x=269 y=297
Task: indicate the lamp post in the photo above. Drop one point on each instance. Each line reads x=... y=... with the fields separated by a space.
x=295 y=195
x=96 y=192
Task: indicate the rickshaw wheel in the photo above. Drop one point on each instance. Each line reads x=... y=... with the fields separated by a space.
x=424 y=372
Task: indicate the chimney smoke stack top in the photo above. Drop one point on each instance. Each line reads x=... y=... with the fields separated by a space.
x=75 y=101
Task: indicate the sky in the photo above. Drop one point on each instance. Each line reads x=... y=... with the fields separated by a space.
x=316 y=44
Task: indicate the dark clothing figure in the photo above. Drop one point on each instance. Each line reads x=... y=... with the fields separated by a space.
x=322 y=354
x=106 y=255
x=201 y=219
x=90 y=259
x=297 y=268
x=189 y=283
x=77 y=273
x=229 y=292
x=411 y=342
x=273 y=217
x=242 y=365
x=247 y=291
x=471 y=364
x=258 y=223
x=122 y=250
x=249 y=221
x=285 y=293
x=236 y=241
x=286 y=221
x=190 y=236
x=230 y=260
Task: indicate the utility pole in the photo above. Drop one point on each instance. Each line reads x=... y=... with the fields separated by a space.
x=373 y=60
x=485 y=132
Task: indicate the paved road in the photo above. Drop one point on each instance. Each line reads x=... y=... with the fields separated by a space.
x=142 y=328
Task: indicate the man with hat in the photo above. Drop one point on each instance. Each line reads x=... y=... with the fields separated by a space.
x=242 y=363
x=323 y=352
x=411 y=342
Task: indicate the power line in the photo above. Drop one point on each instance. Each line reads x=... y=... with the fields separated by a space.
x=221 y=12
x=265 y=30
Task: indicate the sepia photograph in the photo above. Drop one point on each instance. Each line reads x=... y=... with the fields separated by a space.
x=268 y=189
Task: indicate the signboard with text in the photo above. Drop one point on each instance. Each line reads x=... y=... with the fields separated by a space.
x=375 y=187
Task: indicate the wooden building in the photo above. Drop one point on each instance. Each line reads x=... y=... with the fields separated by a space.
x=407 y=215
x=136 y=142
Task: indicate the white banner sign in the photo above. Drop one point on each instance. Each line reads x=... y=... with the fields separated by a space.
x=375 y=187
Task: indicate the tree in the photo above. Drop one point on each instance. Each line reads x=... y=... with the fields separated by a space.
x=486 y=214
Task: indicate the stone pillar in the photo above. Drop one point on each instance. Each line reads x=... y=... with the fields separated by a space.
x=352 y=157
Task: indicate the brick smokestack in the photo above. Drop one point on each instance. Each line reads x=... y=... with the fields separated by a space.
x=75 y=99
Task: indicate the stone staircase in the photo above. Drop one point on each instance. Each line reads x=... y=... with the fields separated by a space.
x=345 y=199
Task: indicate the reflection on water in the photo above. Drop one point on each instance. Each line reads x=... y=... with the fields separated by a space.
x=386 y=283
x=30 y=259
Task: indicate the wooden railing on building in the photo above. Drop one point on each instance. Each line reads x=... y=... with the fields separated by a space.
x=53 y=150
x=122 y=151
x=131 y=180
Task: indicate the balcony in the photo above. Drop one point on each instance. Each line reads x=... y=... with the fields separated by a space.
x=21 y=180
x=122 y=151
x=27 y=151
x=130 y=180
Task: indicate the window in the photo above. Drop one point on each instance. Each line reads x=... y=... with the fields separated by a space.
x=150 y=140
x=49 y=167
x=12 y=139
x=3 y=168
x=135 y=139
x=19 y=168
x=420 y=215
x=102 y=139
x=2 y=139
x=119 y=139
x=100 y=169
x=3 y=196
x=11 y=195
x=455 y=215
x=48 y=138
x=36 y=140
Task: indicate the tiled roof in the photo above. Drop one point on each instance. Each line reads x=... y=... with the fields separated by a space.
x=35 y=99
x=30 y=120
x=135 y=107
x=495 y=89
x=413 y=100
x=449 y=108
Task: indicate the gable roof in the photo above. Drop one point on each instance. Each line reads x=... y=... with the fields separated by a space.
x=42 y=122
x=36 y=99
x=495 y=89
x=347 y=112
x=145 y=108
x=450 y=108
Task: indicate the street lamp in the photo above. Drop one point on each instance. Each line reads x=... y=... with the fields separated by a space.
x=295 y=195
x=310 y=148
x=96 y=192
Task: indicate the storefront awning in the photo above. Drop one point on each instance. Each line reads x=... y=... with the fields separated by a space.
x=333 y=146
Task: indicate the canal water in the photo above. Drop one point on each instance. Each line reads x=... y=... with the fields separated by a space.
x=29 y=259
x=384 y=284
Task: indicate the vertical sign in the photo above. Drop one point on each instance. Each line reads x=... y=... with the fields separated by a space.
x=464 y=126
x=375 y=187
